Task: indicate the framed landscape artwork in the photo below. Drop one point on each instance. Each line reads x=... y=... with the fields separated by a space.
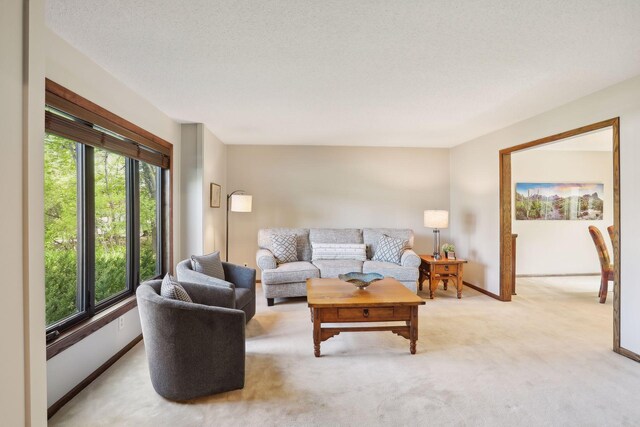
x=559 y=201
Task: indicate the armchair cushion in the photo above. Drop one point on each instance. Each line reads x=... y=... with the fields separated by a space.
x=238 y=278
x=210 y=264
x=210 y=295
x=390 y=249
x=243 y=297
x=185 y=273
x=173 y=290
x=284 y=248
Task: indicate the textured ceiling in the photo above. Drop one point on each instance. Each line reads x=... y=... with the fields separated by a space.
x=356 y=72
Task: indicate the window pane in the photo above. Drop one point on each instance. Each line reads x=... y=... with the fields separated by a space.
x=148 y=221
x=111 y=224
x=61 y=228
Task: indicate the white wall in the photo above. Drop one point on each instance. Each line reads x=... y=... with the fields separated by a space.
x=68 y=67
x=191 y=188
x=341 y=187
x=214 y=170
x=561 y=247
x=475 y=191
x=12 y=354
x=33 y=191
x=22 y=353
x=204 y=160
x=67 y=369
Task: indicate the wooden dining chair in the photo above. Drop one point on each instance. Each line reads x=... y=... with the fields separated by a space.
x=612 y=235
x=606 y=269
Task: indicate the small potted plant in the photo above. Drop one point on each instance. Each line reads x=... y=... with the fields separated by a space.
x=449 y=251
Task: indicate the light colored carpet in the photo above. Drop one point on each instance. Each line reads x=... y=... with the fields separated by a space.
x=544 y=359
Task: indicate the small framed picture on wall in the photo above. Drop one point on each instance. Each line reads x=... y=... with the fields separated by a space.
x=214 y=195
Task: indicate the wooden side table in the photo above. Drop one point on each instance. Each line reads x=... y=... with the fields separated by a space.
x=442 y=269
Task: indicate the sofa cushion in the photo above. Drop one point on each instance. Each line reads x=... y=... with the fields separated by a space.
x=371 y=236
x=210 y=265
x=388 y=269
x=334 y=267
x=303 y=247
x=389 y=249
x=355 y=251
x=335 y=235
x=284 y=248
x=290 y=272
x=171 y=289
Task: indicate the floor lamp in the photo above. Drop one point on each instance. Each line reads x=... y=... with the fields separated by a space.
x=237 y=201
x=436 y=220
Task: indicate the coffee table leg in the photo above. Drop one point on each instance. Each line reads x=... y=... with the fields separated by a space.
x=413 y=330
x=316 y=332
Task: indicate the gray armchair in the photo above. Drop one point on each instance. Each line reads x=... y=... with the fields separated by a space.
x=194 y=349
x=241 y=279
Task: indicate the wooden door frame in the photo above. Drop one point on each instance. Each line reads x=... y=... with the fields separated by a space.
x=506 y=277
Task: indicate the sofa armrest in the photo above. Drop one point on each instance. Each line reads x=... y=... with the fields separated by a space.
x=186 y=274
x=214 y=296
x=265 y=259
x=240 y=276
x=410 y=259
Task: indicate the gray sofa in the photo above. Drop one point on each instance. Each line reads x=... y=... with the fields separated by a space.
x=193 y=349
x=289 y=279
x=241 y=279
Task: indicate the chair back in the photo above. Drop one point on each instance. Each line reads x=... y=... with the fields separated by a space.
x=612 y=235
x=601 y=247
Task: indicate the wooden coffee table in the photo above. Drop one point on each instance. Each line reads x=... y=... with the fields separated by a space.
x=387 y=300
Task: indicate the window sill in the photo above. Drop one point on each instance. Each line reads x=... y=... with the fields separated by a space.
x=89 y=326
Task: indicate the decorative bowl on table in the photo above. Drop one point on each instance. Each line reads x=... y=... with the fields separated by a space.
x=360 y=280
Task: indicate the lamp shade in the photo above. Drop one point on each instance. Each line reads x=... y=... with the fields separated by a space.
x=240 y=203
x=436 y=219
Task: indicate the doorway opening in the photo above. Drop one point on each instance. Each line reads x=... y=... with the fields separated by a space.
x=507 y=240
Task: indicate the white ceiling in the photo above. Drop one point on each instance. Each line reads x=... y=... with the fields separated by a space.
x=356 y=72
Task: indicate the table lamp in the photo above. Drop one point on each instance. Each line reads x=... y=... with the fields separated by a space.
x=436 y=219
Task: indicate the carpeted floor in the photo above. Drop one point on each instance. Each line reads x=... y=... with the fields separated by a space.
x=544 y=359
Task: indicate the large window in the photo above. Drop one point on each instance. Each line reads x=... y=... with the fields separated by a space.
x=150 y=212
x=61 y=228
x=103 y=218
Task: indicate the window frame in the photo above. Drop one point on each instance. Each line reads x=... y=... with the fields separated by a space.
x=81 y=109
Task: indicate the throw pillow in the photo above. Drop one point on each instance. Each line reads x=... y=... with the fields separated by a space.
x=211 y=265
x=355 y=251
x=389 y=249
x=172 y=289
x=283 y=247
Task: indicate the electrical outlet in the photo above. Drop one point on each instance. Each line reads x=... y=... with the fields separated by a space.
x=246 y=265
x=120 y=322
